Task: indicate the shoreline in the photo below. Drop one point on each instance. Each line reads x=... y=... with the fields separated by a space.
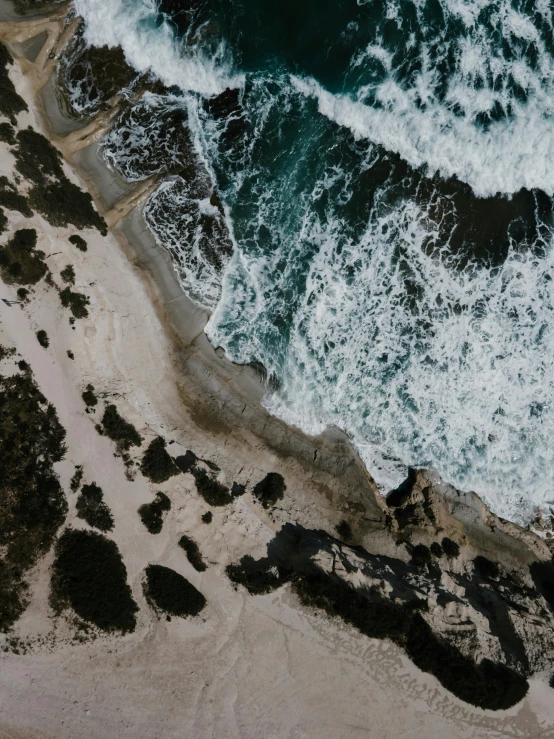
x=249 y=666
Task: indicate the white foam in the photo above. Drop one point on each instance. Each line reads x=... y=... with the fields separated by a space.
x=443 y=134
x=464 y=384
x=152 y=47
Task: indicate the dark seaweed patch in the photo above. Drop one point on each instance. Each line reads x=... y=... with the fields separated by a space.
x=170 y=592
x=88 y=575
x=157 y=464
x=193 y=553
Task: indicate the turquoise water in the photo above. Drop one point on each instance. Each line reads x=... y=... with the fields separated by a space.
x=386 y=171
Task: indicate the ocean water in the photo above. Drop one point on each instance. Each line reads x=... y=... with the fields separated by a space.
x=371 y=214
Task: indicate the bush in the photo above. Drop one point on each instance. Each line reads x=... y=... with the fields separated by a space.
x=88 y=575
x=192 y=552
x=344 y=530
x=68 y=274
x=76 y=302
x=32 y=502
x=269 y=490
x=119 y=430
x=10 y=102
x=486 y=569
x=421 y=555
x=207 y=517
x=257 y=577
x=152 y=514
x=43 y=340
x=20 y=261
x=52 y=194
x=70 y=354
x=92 y=509
x=213 y=492
x=22 y=293
x=11 y=199
x=450 y=548
x=79 y=242
x=436 y=550
x=157 y=465
x=89 y=397
x=170 y=592
x=186 y=461
x=7 y=133
x=76 y=479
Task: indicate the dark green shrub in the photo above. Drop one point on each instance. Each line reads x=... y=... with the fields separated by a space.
x=32 y=502
x=157 y=465
x=119 y=430
x=152 y=514
x=52 y=194
x=207 y=517
x=3 y=221
x=76 y=479
x=22 y=293
x=76 y=302
x=186 y=461
x=68 y=274
x=450 y=548
x=192 y=552
x=486 y=569
x=7 y=133
x=92 y=509
x=6 y=351
x=269 y=490
x=89 y=397
x=213 y=492
x=79 y=242
x=170 y=592
x=10 y=102
x=257 y=577
x=551 y=681
x=421 y=555
x=344 y=530
x=70 y=354
x=88 y=575
x=11 y=199
x=43 y=340
x=436 y=550
x=20 y=261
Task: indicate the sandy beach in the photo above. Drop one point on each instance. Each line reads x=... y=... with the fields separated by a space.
x=246 y=667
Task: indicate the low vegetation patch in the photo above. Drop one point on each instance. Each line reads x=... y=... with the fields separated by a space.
x=192 y=552
x=186 y=461
x=92 y=509
x=32 y=502
x=119 y=430
x=20 y=262
x=207 y=517
x=157 y=464
x=213 y=492
x=10 y=102
x=42 y=338
x=51 y=193
x=75 y=483
x=344 y=530
x=7 y=133
x=79 y=242
x=450 y=548
x=89 y=397
x=152 y=514
x=89 y=576
x=11 y=199
x=68 y=274
x=258 y=577
x=171 y=593
x=76 y=302
x=269 y=490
